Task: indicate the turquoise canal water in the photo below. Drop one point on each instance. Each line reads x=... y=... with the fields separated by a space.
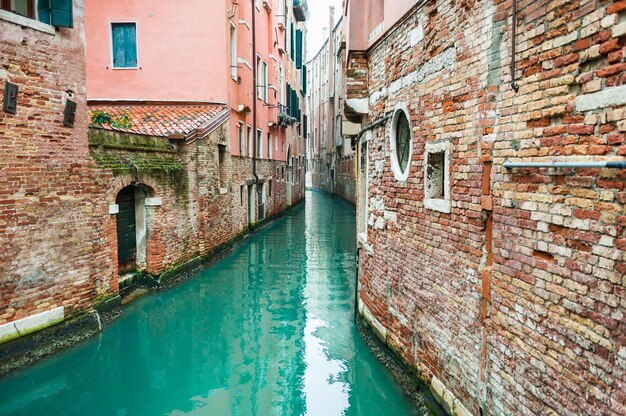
x=266 y=331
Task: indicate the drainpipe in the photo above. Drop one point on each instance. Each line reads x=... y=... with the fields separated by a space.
x=565 y=165
x=513 y=46
x=254 y=99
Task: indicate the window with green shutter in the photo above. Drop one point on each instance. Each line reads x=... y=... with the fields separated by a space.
x=293 y=42
x=124 y=44
x=298 y=48
x=56 y=12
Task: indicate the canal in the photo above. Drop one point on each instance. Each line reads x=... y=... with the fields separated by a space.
x=267 y=331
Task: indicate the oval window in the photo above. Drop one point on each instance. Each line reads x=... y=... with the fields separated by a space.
x=403 y=140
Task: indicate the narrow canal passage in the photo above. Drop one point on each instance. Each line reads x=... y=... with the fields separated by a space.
x=266 y=331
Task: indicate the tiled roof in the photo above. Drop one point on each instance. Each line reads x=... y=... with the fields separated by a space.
x=161 y=120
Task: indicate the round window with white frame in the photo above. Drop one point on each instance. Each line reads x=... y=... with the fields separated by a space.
x=401 y=146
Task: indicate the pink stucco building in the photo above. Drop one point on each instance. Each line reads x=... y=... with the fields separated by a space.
x=142 y=52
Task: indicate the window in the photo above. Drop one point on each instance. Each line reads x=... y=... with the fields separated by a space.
x=401 y=145
x=124 y=45
x=265 y=81
x=259 y=74
x=222 y=166
x=241 y=188
x=23 y=7
x=233 y=51
x=259 y=144
x=269 y=188
x=250 y=141
x=269 y=145
x=242 y=148
x=437 y=177
x=55 y=13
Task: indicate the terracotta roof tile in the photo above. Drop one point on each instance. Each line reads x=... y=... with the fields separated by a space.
x=161 y=120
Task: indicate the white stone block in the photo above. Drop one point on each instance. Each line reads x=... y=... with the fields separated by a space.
x=154 y=202
x=417 y=35
x=8 y=332
x=612 y=96
x=39 y=321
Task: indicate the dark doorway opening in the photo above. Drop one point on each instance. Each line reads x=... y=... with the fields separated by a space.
x=126 y=230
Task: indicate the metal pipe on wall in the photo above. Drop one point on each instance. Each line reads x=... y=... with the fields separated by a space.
x=565 y=165
x=254 y=99
x=513 y=45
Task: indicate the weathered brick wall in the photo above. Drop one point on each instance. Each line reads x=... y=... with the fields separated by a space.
x=345 y=181
x=515 y=300
x=46 y=212
x=559 y=277
x=200 y=209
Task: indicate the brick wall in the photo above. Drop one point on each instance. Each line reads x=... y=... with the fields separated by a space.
x=201 y=203
x=514 y=301
x=46 y=211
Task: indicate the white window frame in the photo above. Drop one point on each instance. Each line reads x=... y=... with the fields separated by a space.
x=233 y=51
x=438 y=204
x=111 y=23
x=395 y=164
x=250 y=141
x=242 y=139
x=265 y=81
x=259 y=65
x=269 y=145
x=259 y=143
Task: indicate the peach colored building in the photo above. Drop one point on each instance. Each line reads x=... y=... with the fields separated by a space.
x=142 y=52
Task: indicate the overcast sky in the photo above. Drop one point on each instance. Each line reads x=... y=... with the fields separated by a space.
x=317 y=21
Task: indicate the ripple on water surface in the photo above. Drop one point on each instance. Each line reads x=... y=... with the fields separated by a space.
x=266 y=331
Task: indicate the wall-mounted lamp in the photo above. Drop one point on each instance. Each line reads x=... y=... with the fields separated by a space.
x=69 y=114
x=9 y=104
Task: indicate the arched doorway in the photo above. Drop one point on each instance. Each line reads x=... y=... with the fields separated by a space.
x=289 y=174
x=131 y=228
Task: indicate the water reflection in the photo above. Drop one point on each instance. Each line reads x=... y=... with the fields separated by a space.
x=267 y=331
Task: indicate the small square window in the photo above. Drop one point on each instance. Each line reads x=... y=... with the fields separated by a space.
x=437 y=177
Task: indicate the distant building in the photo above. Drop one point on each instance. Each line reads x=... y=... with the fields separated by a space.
x=502 y=286
x=330 y=154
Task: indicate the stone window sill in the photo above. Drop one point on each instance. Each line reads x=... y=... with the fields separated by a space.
x=26 y=22
x=440 y=205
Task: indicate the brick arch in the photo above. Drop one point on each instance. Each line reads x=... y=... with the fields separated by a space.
x=121 y=182
x=146 y=237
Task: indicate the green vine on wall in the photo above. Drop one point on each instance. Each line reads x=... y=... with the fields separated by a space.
x=100 y=117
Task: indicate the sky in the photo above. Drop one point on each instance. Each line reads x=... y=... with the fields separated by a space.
x=318 y=20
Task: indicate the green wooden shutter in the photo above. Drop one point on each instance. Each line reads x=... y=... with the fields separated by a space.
x=298 y=49
x=124 y=45
x=293 y=43
x=303 y=78
x=56 y=12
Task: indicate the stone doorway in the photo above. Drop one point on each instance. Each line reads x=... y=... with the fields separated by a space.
x=131 y=228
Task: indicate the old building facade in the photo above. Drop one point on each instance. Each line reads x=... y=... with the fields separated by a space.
x=330 y=155
x=145 y=157
x=504 y=287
